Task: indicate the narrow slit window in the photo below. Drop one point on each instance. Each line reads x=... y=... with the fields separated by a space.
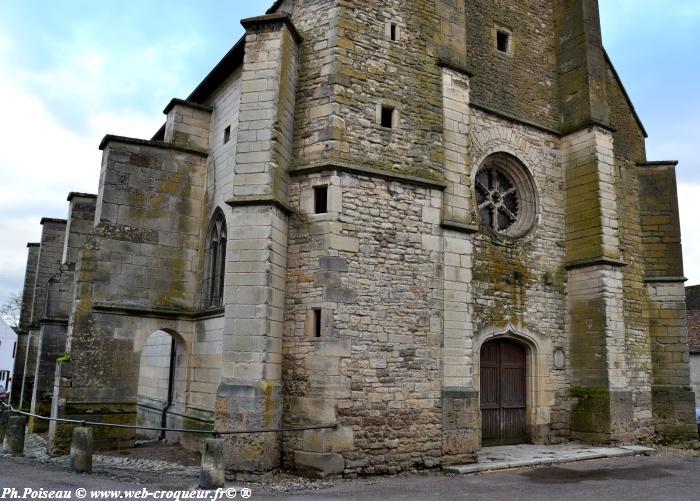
x=317 y=322
x=321 y=199
x=227 y=134
x=393 y=32
x=387 y=118
x=503 y=41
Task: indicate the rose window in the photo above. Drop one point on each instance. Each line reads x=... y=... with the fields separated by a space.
x=498 y=199
x=505 y=196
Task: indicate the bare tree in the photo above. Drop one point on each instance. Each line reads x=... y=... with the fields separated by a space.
x=10 y=311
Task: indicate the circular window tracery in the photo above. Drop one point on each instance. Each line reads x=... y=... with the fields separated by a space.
x=505 y=196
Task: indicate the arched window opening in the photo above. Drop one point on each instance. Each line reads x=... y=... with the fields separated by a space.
x=215 y=262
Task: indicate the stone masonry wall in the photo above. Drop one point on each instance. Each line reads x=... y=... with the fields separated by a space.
x=692 y=299
x=152 y=199
x=376 y=369
x=522 y=283
x=220 y=165
x=523 y=84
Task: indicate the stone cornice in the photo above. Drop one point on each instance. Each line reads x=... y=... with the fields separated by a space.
x=334 y=165
x=52 y=220
x=75 y=194
x=595 y=261
x=277 y=17
x=175 y=101
x=109 y=138
x=665 y=280
x=253 y=200
x=164 y=313
x=460 y=227
x=444 y=63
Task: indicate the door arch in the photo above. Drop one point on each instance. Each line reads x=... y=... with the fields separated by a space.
x=162 y=383
x=503 y=390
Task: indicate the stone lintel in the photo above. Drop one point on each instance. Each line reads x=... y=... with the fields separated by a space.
x=459 y=227
x=46 y=220
x=109 y=138
x=190 y=104
x=451 y=65
x=339 y=166
x=596 y=261
x=257 y=22
x=75 y=194
x=253 y=200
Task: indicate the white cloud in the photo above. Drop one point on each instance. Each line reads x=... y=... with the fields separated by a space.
x=42 y=160
x=689 y=203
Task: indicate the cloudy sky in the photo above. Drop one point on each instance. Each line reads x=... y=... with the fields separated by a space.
x=73 y=70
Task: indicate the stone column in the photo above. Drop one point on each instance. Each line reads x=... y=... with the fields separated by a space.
x=250 y=394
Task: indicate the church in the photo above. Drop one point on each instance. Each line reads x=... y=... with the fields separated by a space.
x=427 y=225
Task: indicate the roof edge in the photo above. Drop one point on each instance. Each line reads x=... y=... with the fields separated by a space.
x=625 y=94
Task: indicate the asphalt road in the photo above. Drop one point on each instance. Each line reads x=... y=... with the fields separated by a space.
x=634 y=479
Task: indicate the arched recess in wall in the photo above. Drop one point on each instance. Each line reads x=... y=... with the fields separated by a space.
x=214 y=261
x=538 y=363
x=162 y=384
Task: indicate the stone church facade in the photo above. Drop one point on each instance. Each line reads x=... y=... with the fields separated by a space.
x=430 y=224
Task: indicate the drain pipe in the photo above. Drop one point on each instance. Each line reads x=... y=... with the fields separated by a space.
x=171 y=388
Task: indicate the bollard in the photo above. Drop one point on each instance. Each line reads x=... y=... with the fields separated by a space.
x=211 y=476
x=14 y=435
x=4 y=417
x=81 y=450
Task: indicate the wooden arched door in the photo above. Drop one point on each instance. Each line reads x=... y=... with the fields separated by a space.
x=503 y=393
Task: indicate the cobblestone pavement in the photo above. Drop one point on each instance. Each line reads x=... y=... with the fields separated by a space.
x=35 y=447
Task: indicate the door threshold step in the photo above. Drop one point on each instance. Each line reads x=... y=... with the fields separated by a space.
x=508 y=457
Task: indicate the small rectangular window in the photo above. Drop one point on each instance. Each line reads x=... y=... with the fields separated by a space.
x=227 y=134
x=387 y=116
x=503 y=41
x=317 y=322
x=393 y=32
x=321 y=199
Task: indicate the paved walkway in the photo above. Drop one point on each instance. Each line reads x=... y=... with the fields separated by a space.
x=521 y=456
x=35 y=447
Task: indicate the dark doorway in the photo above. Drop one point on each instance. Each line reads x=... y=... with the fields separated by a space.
x=503 y=393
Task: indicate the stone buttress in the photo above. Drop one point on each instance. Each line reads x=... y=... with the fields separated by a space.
x=250 y=394
x=52 y=338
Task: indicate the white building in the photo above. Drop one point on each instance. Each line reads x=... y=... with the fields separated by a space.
x=8 y=351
